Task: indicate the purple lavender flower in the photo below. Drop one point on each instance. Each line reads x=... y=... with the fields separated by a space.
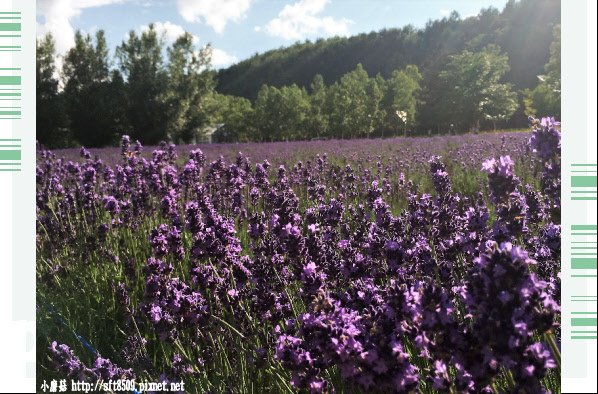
x=67 y=363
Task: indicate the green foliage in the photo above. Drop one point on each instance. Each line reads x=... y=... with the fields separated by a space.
x=449 y=72
x=553 y=67
x=50 y=119
x=94 y=97
x=295 y=107
x=542 y=101
x=354 y=107
x=472 y=88
x=317 y=122
x=85 y=64
x=146 y=98
x=140 y=60
x=523 y=29
x=545 y=99
x=234 y=114
x=189 y=84
x=401 y=94
x=499 y=103
x=281 y=114
x=265 y=114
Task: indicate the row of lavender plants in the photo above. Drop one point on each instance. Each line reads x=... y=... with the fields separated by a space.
x=341 y=272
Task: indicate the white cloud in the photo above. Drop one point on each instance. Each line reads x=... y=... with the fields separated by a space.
x=57 y=15
x=301 y=19
x=168 y=30
x=445 y=12
x=214 y=13
x=221 y=58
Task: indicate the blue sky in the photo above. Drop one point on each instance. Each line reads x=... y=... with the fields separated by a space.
x=239 y=28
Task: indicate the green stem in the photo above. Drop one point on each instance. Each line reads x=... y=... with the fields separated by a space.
x=556 y=353
x=229 y=326
x=510 y=379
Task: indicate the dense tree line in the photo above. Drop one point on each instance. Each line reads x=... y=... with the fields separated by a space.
x=92 y=102
x=471 y=94
x=355 y=106
x=154 y=92
x=523 y=30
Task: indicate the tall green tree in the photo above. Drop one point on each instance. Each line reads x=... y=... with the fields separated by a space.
x=294 y=109
x=545 y=99
x=190 y=83
x=553 y=67
x=317 y=121
x=93 y=100
x=234 y=115
x=265 y=114
x=50 y=117
x=281 y=114
x=401 y=95
x=141 y=62
x=355 y=104
x=500 y=103
x=472 y=90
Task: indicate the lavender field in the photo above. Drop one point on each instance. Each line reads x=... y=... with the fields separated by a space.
x=360 y=266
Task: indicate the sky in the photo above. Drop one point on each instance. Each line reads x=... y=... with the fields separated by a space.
x=237 y=29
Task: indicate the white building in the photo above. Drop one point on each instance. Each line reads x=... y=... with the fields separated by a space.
x=207 y=134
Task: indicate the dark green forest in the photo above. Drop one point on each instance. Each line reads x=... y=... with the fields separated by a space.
x=483 y=72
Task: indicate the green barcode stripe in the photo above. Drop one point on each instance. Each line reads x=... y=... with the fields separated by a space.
x=584 y=181
x=584 y=321
x=584 y=227
x=10 y=155
x=10 y=80
x=583 y=263
x=10 y=27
